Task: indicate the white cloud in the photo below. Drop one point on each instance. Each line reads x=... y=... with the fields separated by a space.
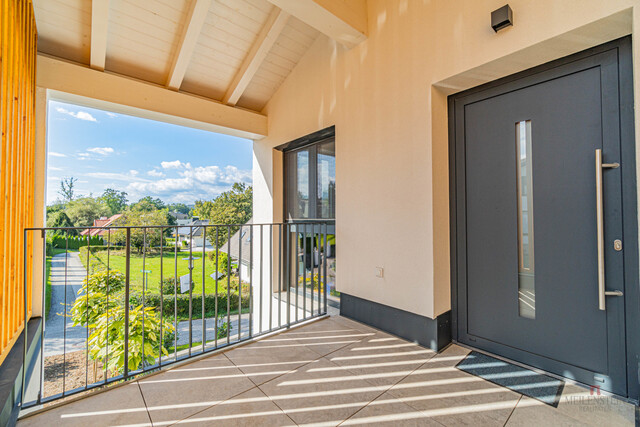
x=214 y=174
x=111 y=115
x=191 y=184
x=51 y=168
x=82 y=115
x=177 y=164
x=104 y=151
x=54 y=154
x=131 y=176
x=155 y=173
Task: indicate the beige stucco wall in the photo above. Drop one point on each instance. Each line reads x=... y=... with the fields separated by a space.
x=387 y=99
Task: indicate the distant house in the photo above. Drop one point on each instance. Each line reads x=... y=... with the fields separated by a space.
x=181 y=219
x=102 y=222
x=240 y=240
x=187 y=232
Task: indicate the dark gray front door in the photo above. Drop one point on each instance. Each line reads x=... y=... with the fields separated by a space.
x=527 y=224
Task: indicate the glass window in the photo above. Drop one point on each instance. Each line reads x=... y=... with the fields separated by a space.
x=310 y=182
x=526 y=277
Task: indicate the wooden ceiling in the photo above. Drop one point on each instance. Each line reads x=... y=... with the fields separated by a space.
x=233 y=51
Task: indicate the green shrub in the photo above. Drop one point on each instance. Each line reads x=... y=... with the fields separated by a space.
x=103 y=279
x=223 y=260
x=99 y=292
x=223 y=329
x=169 y=285
x=181 y=302
x=144 y=338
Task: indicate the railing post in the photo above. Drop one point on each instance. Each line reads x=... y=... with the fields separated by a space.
x=126 y=301
x=190 y=264
x=44 y=313
x=24 y=331
x=287 y=271
x=279 y=275
x=325 y=261
x=240 y=283
x=251 y=311
x=161 y=293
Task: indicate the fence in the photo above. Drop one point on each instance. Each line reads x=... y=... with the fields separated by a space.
x=135 y=304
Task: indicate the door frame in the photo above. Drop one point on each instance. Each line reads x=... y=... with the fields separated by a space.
x=457 y=219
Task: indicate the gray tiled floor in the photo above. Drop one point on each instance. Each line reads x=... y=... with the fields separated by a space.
x=330 y=372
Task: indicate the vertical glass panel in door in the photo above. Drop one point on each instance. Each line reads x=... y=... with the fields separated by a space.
x=326 y=180
x=526 y=277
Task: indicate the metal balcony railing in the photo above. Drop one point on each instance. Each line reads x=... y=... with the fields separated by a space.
x=135 y=299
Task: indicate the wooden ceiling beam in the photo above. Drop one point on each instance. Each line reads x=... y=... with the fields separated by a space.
x=198 y=10
x=99 y=24
x=276 y=22
x=343 y=21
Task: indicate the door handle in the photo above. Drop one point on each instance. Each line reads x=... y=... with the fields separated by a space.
x=602 y=293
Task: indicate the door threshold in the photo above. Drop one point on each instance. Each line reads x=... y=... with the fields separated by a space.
x=543 y=372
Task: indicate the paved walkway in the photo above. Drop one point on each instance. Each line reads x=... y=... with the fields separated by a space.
x=331 y=372
x=54 y=332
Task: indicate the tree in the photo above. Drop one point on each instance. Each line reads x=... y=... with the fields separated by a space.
x=179 y=207
x=115 y=200
x=60 y=219
x=234 y=206
x=135 y=218
x=55 y=207
x=148 y=204
x=99 y=308
x=67 y=188
x=83 y=211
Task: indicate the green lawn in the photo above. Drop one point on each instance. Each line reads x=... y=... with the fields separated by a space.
x=117 y=261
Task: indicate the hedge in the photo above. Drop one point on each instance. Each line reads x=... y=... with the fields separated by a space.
x=102 y=248
x=75 y=242
x=153 y=300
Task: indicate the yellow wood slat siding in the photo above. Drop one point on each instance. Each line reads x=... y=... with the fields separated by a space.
x=4 y=28
x=17 y=156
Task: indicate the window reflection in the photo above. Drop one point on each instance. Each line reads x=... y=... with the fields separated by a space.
x=301 y=204
x=327 y=180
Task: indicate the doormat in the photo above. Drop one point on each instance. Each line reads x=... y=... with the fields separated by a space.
x=521 y=380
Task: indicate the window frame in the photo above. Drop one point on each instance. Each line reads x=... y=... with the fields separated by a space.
x=310 y=143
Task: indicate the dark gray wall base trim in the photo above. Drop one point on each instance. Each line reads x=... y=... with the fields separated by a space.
x=431 y=333
x=11 y=372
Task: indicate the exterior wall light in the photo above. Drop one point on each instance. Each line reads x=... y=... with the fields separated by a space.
x=501 y=18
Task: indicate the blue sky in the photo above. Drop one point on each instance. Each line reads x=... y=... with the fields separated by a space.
x=142 y=157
